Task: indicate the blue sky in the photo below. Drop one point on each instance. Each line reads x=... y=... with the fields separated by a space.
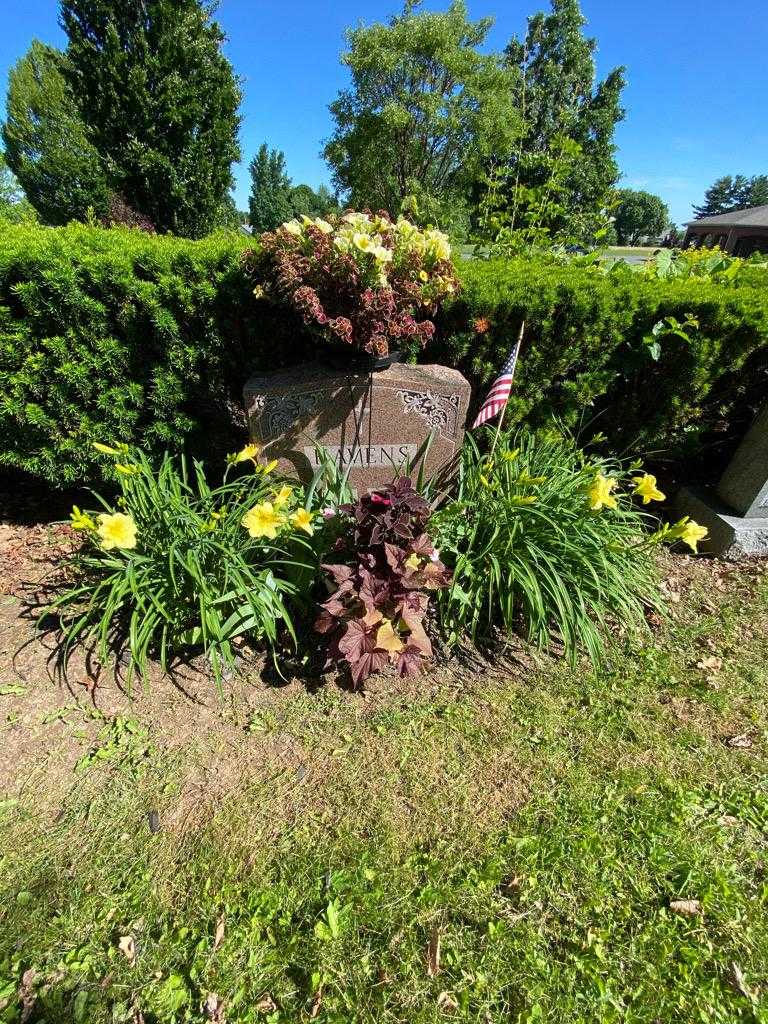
x=696 y=98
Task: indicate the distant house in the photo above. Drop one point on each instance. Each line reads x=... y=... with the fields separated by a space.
x=741 y=232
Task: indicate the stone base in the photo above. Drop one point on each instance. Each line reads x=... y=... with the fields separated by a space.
x=730 y=536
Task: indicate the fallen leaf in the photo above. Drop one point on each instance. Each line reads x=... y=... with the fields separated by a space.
x=712 y=664
x=213 y=1007
x=728 y=819
x=127 y=947
x=266 y=1004
x=218 y=937
x=740 y=742
x=433 y=953
x=316 y=1003
x=446 y=1002
x=27 y=997
x=737 y=975
x=688 y=908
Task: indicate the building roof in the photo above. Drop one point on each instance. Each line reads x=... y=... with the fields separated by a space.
x=754 y=217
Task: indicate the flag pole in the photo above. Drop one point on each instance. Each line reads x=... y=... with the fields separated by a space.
x=504 y=408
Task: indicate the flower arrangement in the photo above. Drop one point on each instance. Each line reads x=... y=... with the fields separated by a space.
x=358 y=279
x=390 y=565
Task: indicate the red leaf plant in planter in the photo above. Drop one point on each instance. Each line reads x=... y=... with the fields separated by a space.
x=359 y=279
x=390 y=565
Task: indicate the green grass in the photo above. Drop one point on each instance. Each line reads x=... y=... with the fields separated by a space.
x=535 y=825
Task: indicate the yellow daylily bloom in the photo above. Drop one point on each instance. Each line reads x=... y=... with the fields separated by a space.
x=599 y=493
x=270 y=466
x=262 y=520
x=692 y=534
x=106 y=449
x=250 y=452
x=484 y=480
x=127 y=469
x=80 y=520
x=293 y=227
x=323 y=225
x=117 y=531
x=645 y=487
x=509 y=456
x=302 y=520
x=282 y=496
x=413 y=561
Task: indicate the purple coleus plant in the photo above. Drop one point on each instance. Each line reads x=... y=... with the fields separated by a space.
x=381 y=588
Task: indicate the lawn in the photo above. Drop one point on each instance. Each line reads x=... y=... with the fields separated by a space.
x=493 y=842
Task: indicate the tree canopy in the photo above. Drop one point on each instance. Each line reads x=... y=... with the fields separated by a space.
x=160 y=102
x=639 y=215
x=424 y=111
x=46 y=142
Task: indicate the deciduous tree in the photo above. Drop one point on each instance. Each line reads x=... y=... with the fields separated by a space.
x=424 y=111
x=639 y=214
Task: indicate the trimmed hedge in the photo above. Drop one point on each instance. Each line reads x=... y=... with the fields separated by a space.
x=584 y=360
x=117 y=335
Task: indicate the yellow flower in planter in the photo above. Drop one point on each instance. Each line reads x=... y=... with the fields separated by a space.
x=363 y=242
x=117 y=531
x=599 y=493
x=80 y=520
x=302 y=520
x=323 y=225
x=691 y=533
x=263 y=520
x=127 y=469
x=645 y=488
x=282 y=496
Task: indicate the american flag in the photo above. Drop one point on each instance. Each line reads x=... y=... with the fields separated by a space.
x=501 y=387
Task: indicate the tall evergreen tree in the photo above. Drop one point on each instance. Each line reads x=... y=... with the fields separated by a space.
x=737 y=192
x=47 y=146
x=269 y=203
x=161 y=104
x=723 y=195
x=559 y=98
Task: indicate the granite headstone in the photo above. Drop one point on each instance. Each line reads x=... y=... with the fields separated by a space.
x=737 y=514
x=375 y=423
